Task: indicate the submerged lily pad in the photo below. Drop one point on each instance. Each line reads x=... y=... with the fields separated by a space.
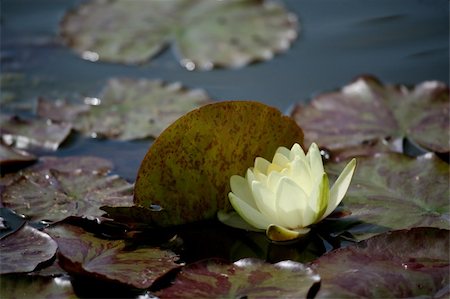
x=21 y=286
x=23 y=133
x=187 y=169
x=80 y=252
x=401 y=264
x=128 y=109
x=25 y=249
x=54 y=190
x=367 y=113
x=246 y=278
x=394 y=191
x=205 y=33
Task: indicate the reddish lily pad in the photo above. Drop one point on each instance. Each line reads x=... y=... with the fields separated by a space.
x=23 y=133
x=366 y=113
x=25 y=249
x=128 y=109
x=205 y=33
x=21 y=286
x=80 y=252
x=187 y=169
x=246 y=278
x=14 y=157
x=394 y=191
x=401 y=264
x=57 y=188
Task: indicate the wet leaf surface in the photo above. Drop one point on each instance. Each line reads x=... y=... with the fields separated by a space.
x=15 y=286
x=246 y=278
x=10 y=157
x=401 y=264
x=394 y=191
x=367 y=113
x=127 y=109
x=204 y=33
x=80 y=252
x=58 y=188
x=24 y=250
x=187 y=169
x=10 y=222
x=22 y=133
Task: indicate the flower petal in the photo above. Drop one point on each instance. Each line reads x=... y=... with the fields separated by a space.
x=249 y=214
x=315 y=162
x=261 y=164
x=297 y=151
x=301 y=174
x=279 y=162
x=241 y=189
x=233 y=219
x=279 y=233
x=284 y=151
x=265 y=201
x=337 y=192
x=292 y=204
x=320 y=197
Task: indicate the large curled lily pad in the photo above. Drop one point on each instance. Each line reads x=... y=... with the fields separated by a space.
x=394 y=191
x=367 y=113
x=127 y=108
x=246 y=278
x=401 y=264
x=205 y=33
x=187 y=169
x=21 y=286
x=80 y=252
x=25 y=249
x=47 y=192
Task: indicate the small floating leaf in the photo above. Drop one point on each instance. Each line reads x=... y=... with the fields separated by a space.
x=10 y=157
x=246 y=278
x=187 y=169
x=21 y=286
x=82 y=253
x=24 y=250
x=401 y=264
x=205 y=33
x=367 y=113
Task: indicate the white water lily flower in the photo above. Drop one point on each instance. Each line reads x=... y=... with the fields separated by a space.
x=286 y=196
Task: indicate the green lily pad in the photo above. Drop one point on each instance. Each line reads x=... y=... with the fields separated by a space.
x=80 y=252
x=187 y=169
x=45 y=192
x=367 y=114
x=205 y=33
x=25 y=249
x=401 y=264
x=23 y=133
x=21 y=286
x=246 y=278
x=127 y=109
x=394 y=191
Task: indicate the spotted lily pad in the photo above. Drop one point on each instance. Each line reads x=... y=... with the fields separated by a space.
x=246 y=278
x=401 y=264
x=80 y=252
x=367 y=113
x=49 y=193
x=23 y=133
x=187 y=169
x=127 y=109
x=205 y=33
x=25 y=249
x=394 y=191
x=21 y=286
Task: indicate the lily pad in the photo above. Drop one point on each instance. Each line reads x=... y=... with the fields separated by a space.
x=25 y=249
x=128 y=109
x=80 y=252
x=23 y=133
x=187 y=170
x=205 y=33
x=367 y=113
x=10 y=157
x=246 y=278
x=394 y=191
x=49 y=193
x=21 y=286
x=401 y=264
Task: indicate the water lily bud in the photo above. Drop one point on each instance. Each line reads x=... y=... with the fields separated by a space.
x=285 y=196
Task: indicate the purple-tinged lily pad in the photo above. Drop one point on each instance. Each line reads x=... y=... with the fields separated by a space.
x=367 y=113
x=394 y=191
x=54 y=195
x=80 y=252
x=10 y=157
x=187 y=169
x=246 y=278
x=25 y=249
x=23 y=133
x=21 y=286
x=128 y=109
x=205 y=33
x=401 y=264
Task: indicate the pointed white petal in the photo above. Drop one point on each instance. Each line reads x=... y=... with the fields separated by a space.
x=240 y=188
x=265 y=201
x=280 y=160
x=284 y=151
x=261 y=164
x=315 y=162
x=301 y=175
x=297 y=151
x=291 y=203
x=273 y=180
x=249 y=214
x=320 y=197
x=279 y=233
